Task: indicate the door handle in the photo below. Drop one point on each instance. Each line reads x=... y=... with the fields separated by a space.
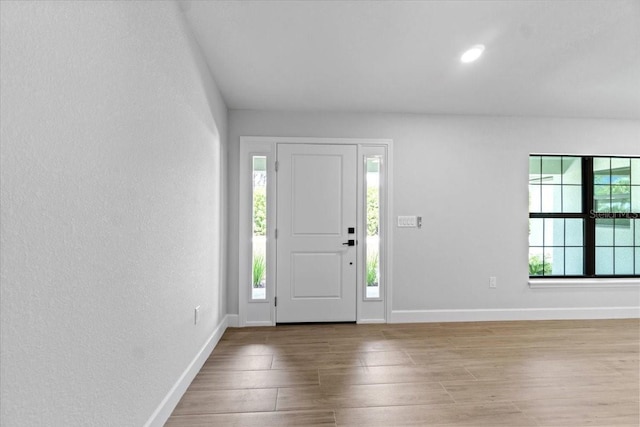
x=349 y=243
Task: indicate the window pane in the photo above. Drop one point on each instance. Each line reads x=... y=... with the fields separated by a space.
x=556 y=259
x=574 y=262
x=572 y=170
x=551 y=198
x=536 y=232
x=604 y=260
x=620 y=170
x=604 y=232
x=534 y=168
x=620 y=198
x=635 y=199
x=552 y=170
x=635 y=171
x=636 y=223
x=623 y=232
x=259 y=239
x=624 y=261
x=574 y=232
x=571 y=198
x=555 y=184
x=372 y=288
x=553 y=232
x=601 y=170
x=612 y=177
x=620 y=162
x=602 y=198
x=637 y=261
x=534 y=183
x=537 y=264
x=535 y=198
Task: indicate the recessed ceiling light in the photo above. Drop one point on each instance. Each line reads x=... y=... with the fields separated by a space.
x=472 y=54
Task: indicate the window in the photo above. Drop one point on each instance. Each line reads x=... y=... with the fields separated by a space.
x=372 y=202
x=259 y=235
x=584 y=216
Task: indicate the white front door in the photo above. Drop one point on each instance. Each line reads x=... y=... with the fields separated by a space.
x=316 y=218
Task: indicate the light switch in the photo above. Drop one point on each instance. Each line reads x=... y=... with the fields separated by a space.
x=409 y=221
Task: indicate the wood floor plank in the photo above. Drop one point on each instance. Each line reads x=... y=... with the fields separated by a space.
x=538 y=368
x=579 y=411
x=627 y=367
x=237 y=363
x=539 y=389
x=243 y=350
x=224 y=401
x=274 y=349
x=392 y=374
x=257 y=419
x=495 y=414
x=385 y=358
x=341 y=345
x=222 y=380
x=355 y=396
x=321 y=360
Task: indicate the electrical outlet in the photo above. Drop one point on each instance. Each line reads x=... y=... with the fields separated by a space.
x=493 y=282
x=196 y=315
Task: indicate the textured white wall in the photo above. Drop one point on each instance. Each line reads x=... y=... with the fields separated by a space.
x=467 y=177
x=111 y=131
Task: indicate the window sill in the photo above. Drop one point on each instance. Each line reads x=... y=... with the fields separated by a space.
x=583 y=283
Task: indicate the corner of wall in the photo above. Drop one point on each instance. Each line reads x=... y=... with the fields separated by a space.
x=171 y=400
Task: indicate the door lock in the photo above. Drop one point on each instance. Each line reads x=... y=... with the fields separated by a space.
x=349 y=243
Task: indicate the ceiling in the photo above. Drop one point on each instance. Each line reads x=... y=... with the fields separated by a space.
x=542 y=58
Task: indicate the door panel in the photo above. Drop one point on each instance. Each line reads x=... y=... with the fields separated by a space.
x=316 y=273
x=317 y=194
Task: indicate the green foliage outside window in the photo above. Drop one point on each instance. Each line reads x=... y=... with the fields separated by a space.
x=373 y=210
x=259 y=212
x=372 y=270
x=259 y=269
x=537 y=267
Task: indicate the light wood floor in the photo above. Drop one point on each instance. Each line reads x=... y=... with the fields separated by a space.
x=543 y=373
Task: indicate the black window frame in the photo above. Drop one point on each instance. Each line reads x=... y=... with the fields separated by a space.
x=589 y=216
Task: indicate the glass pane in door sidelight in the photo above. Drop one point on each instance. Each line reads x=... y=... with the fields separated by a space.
x=372 y=202
x=259 y=235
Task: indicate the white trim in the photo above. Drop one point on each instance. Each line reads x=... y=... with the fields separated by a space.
x=258 y=323
x=247 y=314
x=390 y=232
x=370 y=321
x=233 y=321
x=583 y=283
x=250 y=148
x=483 y=315
x=314 y=140
x=170 y=401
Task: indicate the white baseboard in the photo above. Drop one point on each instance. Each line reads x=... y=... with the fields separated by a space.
x=370 y=321
x=480 y=315
x=233 y=321
x=168 y=404
x=259 y=323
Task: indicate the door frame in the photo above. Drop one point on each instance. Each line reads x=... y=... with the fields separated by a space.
x=262 y=312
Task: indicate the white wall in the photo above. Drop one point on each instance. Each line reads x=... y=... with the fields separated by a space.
x=111 y=132
x=467 y=177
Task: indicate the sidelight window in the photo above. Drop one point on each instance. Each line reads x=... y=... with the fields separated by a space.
x=259 y=235
x=372 y=203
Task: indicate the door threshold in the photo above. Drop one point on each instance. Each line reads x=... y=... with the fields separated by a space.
x=346 y=322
